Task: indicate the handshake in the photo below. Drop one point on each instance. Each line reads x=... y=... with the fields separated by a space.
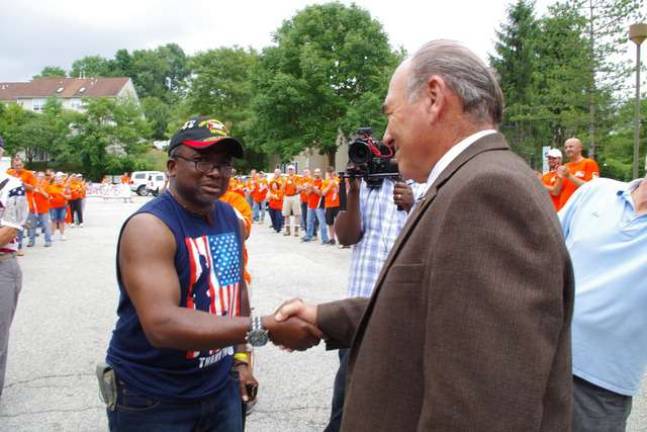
x=293 y=326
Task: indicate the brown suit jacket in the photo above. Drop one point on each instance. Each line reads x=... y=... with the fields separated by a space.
x=468 y=328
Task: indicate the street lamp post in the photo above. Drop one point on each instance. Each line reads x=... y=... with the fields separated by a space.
x=637 y=34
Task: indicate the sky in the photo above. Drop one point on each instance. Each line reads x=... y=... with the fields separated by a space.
x=39 y=33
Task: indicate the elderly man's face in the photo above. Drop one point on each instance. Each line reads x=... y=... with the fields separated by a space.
x=407 y=129
x=573 y=147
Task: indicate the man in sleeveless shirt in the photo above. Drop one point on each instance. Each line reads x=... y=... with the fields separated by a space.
x=178 y=351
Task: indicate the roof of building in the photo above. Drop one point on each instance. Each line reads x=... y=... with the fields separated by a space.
x=62 y=87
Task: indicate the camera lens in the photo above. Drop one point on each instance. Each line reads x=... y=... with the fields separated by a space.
x=358 y=152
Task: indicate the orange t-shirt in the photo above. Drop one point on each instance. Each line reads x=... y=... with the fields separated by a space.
x=549 y=180
x=313 y=198
x=56 y=198
x=75 y=190
x=290 y=185
x=332 y=196
x=41 y=202
x=275 y=194
x=28 y=178
x=236 y=185
x=259 y=190
x=586 y=169
x=305 y=183
x=244 y=212
x=125 y=179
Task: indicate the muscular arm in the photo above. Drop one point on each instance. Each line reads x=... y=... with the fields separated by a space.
x=146 y=258
x=348 y=224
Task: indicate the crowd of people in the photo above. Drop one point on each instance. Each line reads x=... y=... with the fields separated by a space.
x=306 y=202
x=55 y=200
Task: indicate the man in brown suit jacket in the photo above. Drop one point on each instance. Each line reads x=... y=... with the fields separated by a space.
x=468 y=328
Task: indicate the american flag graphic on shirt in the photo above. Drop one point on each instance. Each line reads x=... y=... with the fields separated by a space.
x=215 y=263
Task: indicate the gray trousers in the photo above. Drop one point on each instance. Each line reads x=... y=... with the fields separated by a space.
x=10 y=285
x=598 y=410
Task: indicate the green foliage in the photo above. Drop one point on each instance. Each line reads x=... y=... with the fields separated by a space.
x=616 y=156
x=157 y=114
x=221 y=86
x=516 y=60
x=51 y=71
x=327 y=61
x=12 y=117
x=92 y=66
x=108 y=135
x=606 y=23
x=158 y=73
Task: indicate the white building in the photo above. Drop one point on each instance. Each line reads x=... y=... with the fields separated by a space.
x=34 y=94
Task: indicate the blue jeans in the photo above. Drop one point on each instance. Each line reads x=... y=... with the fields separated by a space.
x=58 y=214
x=135 y=412
x=259 y=211
x=277 y=220
x=33 y=223
x=304 y=216
x=314 y=216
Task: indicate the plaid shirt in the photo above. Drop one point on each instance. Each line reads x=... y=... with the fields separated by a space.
x=381 y=224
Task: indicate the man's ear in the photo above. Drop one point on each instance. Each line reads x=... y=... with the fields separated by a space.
x=170 y=167
x=435 y=94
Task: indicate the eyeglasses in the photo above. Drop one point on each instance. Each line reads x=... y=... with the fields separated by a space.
x=206 y=167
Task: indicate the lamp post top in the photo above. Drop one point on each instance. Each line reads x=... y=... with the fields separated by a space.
x=638 y=33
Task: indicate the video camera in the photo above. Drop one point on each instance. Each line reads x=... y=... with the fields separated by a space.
x=371 y=160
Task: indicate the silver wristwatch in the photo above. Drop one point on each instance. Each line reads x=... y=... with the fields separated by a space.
x=257 y=336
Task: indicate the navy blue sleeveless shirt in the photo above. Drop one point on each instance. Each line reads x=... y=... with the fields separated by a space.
x=208 y=263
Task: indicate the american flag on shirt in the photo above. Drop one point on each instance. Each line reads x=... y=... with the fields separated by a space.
x=14 y=209
x=218 y=259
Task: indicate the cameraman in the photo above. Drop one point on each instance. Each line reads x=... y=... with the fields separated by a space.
x=372 y=220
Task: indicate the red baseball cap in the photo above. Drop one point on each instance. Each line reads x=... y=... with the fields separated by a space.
x=203 y=132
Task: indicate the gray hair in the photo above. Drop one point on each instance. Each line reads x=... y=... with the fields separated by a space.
x=471 y=80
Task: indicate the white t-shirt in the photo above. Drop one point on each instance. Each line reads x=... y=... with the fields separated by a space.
x=14 y=209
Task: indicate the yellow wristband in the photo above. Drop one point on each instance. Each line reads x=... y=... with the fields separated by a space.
x=242 y=357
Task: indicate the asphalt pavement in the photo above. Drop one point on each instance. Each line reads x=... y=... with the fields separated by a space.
x=66 y=312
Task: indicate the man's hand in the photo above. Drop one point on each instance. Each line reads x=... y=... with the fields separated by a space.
x=403 y=196
x=562 y=172
x=296 y=307
x=247 y=382
x=292 y=332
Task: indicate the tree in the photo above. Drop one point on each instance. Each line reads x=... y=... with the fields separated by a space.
x=221 y=86
x=616 y=156
x=326 y=59
x=50 y=71
x=515 y=61
x=12 y=117
x=157 y=113
x=560 y=94
x=607 y=22
x=160 y=73
x=92 y=66
x=106 y=137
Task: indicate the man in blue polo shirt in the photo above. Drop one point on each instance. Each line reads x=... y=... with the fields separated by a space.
x=605 y=227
